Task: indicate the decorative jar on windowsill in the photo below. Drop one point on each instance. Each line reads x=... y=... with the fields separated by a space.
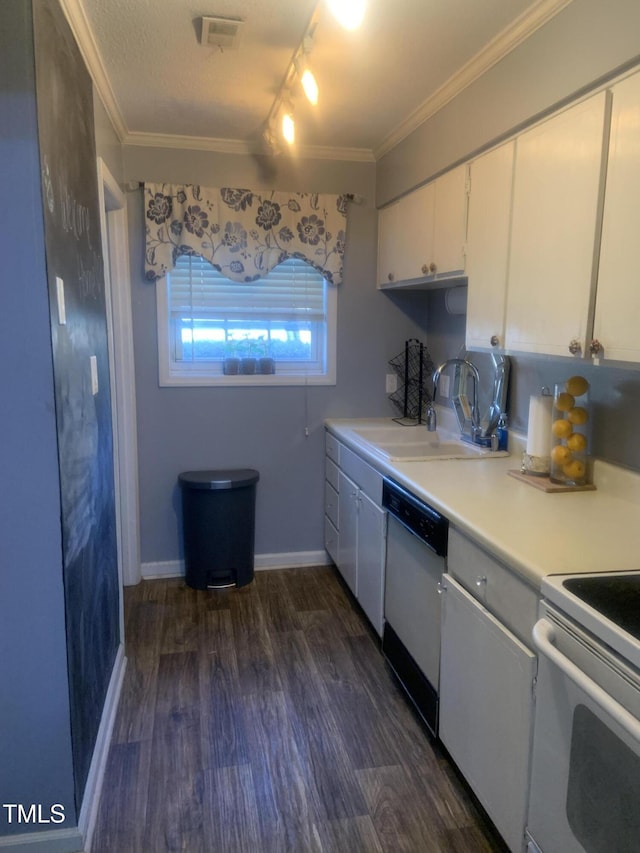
x=231 y=366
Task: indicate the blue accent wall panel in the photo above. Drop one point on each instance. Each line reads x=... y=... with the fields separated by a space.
x=35 y=735
x=84 y=425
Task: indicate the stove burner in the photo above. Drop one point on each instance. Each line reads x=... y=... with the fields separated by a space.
x=616 y=597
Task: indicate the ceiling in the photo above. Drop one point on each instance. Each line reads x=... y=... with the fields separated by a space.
x=161 y=87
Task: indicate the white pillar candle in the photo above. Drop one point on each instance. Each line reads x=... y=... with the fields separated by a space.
x=539 y=429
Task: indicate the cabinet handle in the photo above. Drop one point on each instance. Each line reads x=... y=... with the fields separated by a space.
x=495 y=341
x=425 y=269
x=390 y=276
x=440 y=589
x=432 y=267
x=575 y=346
x=481 y=581
x=596 y=347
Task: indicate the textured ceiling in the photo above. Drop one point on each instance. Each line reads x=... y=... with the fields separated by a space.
x=371 y=80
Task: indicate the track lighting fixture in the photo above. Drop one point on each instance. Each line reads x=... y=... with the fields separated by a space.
x=350 y=14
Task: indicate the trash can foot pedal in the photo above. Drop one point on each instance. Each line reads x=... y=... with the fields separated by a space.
x=221 y=585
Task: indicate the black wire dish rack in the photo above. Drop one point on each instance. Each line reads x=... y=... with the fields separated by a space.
x=414 y=368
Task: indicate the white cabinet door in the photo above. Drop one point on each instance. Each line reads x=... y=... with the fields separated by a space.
x=556 y=201
x=486 y=705
x=422 y=236
x=389 y=239
x=488 y=227
x=405 y=237
x=371 y=554
x=449 y=223
x=618 y=294
x=348 y=527
x=417 y=233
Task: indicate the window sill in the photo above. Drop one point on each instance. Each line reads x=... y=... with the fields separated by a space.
x=244 y=380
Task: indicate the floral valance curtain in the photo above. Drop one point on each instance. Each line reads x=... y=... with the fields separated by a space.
x=244 y=234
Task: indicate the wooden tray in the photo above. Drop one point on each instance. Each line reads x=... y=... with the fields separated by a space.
x=544 y=484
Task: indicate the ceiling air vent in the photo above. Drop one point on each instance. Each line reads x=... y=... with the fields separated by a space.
x=221 y=32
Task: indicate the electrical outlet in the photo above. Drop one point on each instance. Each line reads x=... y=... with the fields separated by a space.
x=443 y=386
x=391 y=383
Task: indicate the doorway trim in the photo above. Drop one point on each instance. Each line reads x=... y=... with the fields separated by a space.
x=115 y=242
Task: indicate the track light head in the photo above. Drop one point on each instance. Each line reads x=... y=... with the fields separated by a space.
x=288 y=124
x=349 y=13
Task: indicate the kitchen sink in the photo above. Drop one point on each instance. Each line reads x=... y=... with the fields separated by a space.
x=396 y=442
x=455 y=449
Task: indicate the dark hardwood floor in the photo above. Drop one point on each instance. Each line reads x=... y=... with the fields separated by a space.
x=265 y=719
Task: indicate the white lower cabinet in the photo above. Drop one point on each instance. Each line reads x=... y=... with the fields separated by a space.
x=356 y=526
x=348 y=532
x=486 y=708
x=372 y=521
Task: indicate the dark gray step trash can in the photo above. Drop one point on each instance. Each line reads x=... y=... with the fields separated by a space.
x=218 y=516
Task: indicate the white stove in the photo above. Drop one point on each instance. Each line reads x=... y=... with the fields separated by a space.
x=607 y=604
x=585 y=778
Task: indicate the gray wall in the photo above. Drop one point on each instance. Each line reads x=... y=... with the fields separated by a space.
x=35 y=737
x=189 y=428
x=585 y=43
x=108 y=145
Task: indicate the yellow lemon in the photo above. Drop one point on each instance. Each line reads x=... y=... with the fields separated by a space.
x=574 y=470
x=577 y=442
x=564 y=402
x=578 y=415
x=577 y=386
x=561 y=455
x=561 y=428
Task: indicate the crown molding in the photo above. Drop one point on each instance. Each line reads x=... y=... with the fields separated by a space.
x=76 y=18
x=517 y=32
x=513 y=35
x=239 y=146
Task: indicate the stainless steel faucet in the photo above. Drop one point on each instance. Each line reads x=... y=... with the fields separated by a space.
x=475 y=416
x=431 y=418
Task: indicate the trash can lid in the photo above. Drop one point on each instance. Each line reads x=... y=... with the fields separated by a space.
x=225 y=478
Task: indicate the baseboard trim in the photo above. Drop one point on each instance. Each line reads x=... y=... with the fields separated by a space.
x=51 y=841
x=78 y=839
x=262 y=562
x=93 y=788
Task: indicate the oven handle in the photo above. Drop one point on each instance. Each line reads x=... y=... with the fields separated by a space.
x=543 y=637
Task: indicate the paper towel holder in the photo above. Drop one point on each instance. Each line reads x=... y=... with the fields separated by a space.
x=537 y=466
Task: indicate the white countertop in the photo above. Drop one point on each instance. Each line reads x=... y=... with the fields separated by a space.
x=534 y=532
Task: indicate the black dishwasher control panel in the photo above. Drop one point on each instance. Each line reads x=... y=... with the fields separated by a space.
x=418 y=517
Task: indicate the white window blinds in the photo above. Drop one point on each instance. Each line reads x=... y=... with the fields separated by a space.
x=212 y=329
x=292 y=291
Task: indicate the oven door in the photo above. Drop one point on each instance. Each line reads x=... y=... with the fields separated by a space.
x=585 y=783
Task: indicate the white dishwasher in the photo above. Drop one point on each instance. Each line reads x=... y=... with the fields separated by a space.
x=416 y=550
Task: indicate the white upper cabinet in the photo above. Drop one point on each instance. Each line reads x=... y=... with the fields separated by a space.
x=555 y=220
x=618 y=294
x=421 y=236
x=449 y=223
x=405 y=237
x=488 y=224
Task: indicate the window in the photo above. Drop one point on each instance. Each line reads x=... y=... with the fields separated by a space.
x=204 y=319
